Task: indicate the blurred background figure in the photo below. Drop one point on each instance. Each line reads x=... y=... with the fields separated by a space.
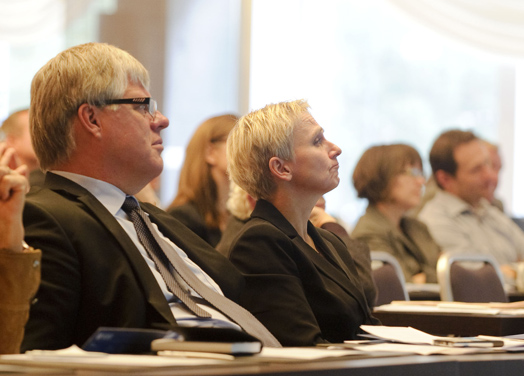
x=240 y=206
x=496 y=164
x=150 y=192
x=390 y=177
x=461 y=216
x=203 y=187
x=16 y=135
x=19 y=264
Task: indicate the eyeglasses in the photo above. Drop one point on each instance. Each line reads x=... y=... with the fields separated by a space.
x=150 y=104
x=415 y=172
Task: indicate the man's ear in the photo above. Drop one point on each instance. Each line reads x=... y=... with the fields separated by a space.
x=88 y=119
x=280 y=169
x=444 y=179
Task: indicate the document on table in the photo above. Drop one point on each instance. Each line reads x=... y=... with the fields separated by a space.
x=74 y=357
x=407 y=339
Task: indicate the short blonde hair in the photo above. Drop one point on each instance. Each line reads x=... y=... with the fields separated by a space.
x=88 y=73
x=257 y=137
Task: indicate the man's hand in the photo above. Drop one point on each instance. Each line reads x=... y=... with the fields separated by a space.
x=13 y=187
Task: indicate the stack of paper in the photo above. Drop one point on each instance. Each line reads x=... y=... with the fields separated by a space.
x=407 y=339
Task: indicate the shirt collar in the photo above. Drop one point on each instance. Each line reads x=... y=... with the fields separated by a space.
x=110 y=196
x=457 y=206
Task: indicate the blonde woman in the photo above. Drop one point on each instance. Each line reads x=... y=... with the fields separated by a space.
x=302 y=283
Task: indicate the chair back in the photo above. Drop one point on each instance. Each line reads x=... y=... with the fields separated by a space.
x=388 y=278
x=470 y=278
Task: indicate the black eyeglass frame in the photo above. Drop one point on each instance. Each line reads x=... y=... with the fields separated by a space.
x=152 y=106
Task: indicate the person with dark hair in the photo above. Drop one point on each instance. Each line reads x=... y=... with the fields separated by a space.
x=460 y=217
x=390 y=177
x=301 y=281
x=203 y=185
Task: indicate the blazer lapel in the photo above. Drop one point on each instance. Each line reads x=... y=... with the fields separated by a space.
x=328 y=262
x=151 y=289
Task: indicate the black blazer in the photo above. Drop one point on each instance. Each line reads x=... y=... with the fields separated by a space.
x=191 y=217
x=92 y=273
x=301 y=296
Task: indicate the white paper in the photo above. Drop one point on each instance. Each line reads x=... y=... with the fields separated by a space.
x=420 y=349
x=74 y=356
x=305 y=353
x=401 y=334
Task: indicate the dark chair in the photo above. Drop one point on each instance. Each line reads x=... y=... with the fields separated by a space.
x=388 y=278
x=470 y=278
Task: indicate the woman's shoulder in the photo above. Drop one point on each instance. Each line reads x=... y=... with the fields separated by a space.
x=370 y=223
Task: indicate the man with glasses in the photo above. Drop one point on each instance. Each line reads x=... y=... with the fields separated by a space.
x=460 y=216
x=108 y=261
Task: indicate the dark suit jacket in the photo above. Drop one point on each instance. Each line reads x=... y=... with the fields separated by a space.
x=92 y=273
x=301 y=296
x=359 y=251
x=189 y=216
x=413 y=246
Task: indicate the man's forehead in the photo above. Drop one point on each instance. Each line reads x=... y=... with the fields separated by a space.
x=138 y=89
x=469 y=154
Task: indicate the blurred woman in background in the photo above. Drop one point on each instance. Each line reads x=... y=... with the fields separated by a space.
x=203 y=186
x=390 y=177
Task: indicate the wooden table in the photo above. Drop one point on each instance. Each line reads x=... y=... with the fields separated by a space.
x=462 y=365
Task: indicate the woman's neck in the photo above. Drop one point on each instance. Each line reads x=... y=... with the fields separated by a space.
x=296 y=210
x=391 y=212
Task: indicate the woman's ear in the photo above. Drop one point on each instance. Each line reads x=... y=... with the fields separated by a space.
x=88 y=119
x=210 y=154
x=280 y=169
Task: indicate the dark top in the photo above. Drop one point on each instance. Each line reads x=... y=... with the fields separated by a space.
x=301 y=296
x=359 y=251
x=233 y=227
x=412 y=245
x=92 y=273
x=191 y=217
x=36 y=178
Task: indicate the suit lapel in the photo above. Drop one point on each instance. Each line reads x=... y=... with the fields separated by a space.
x=151 y=289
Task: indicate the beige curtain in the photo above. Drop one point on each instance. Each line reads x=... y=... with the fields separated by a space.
x=496 y=26
x=26 y=22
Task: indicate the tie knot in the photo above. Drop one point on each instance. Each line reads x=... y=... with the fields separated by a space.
x=129 y=205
